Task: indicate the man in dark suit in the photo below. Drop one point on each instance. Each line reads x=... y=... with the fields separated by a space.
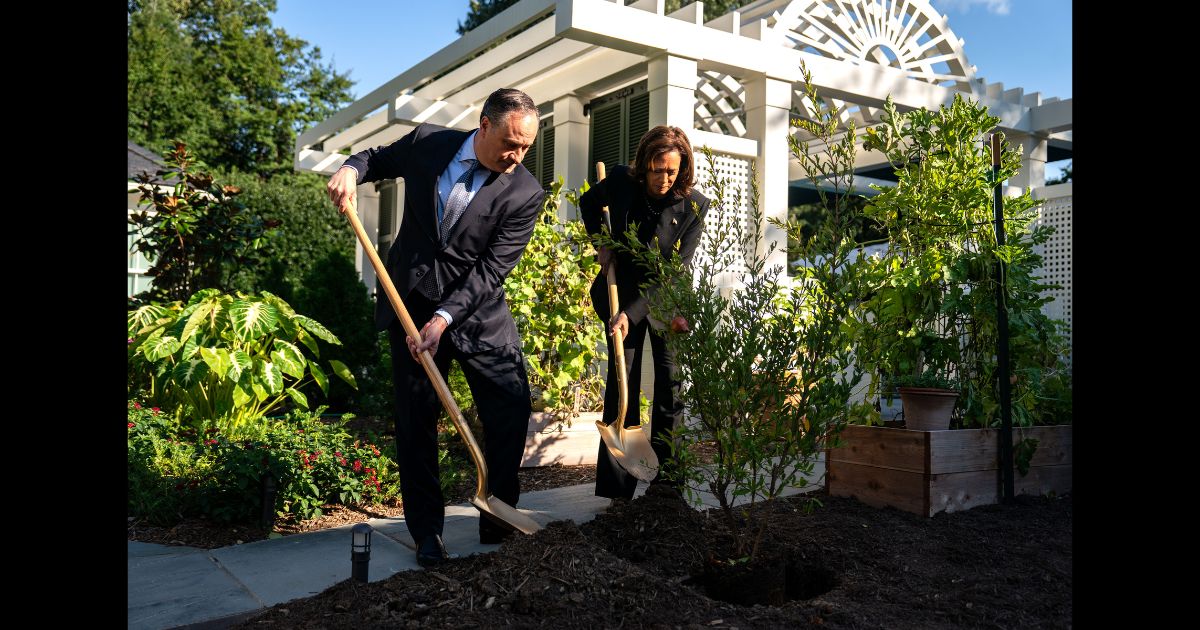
x=469 y=210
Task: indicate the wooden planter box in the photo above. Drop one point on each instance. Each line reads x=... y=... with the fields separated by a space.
x=552 y=442
x=926 y=472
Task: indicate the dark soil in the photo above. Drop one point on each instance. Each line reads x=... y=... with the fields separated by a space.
x=642 y=564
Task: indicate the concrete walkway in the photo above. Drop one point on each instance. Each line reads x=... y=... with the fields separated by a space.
x=176 y=587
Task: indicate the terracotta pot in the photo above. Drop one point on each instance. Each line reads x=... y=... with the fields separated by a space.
x=927 y=408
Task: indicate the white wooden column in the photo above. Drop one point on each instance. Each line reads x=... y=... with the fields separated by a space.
x=570 y=147
x=671 y=82
x=1033 y=161
x=768 y=102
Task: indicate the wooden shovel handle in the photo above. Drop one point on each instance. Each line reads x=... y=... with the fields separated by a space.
x=613 y=309
x=439 y=384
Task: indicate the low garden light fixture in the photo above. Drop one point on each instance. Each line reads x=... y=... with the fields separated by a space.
x=360 y=551
x=269 y=489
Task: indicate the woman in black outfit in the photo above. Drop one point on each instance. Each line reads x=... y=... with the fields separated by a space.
x=656 y=195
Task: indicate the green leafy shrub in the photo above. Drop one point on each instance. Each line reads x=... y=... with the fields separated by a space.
x=308 y=232
x=224 y=359
x=198 y=235
x=164 y=473
x=310 y=265
x=767 y=366
x=548 y=293
x=933 y=309
x=333 y=293
x=176 y=472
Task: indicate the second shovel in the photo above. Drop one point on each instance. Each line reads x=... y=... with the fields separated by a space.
x=629 y=446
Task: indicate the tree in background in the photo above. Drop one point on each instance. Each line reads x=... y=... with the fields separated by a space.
x=309 y=230
x=217 y=75
x=197 y=232
x=484 y=10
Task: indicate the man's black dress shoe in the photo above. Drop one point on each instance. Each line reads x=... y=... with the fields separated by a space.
x=431 y=552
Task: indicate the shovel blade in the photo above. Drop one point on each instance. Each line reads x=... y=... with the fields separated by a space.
x=504 y=515
x=631 y=449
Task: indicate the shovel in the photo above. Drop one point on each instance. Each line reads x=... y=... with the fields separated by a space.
x=630 y=446
x=494 y=509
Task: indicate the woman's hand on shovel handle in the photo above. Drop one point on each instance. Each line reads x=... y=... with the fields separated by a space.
x=605 y=258
x=619 y=323
x=431 y=336
x=343 y=191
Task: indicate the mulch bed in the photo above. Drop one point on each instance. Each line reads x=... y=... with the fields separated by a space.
x=641 y=564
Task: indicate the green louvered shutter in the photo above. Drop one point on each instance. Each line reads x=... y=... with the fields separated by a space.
x=606 y=138
x=539 y=159
x=387 y=214
x=546 y=154
x=531 y=156
x=638 y=123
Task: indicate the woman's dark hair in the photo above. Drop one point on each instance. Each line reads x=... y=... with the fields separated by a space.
x=505 y=101
x=664 y=139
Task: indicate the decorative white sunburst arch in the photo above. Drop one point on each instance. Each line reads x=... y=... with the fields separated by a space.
x=906 y=34
x=909 y=35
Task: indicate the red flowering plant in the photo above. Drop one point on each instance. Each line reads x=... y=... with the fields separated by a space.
x=165 y=467
x=324 y=464
x=176 y=471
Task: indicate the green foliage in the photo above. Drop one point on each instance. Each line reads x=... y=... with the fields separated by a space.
x=932 y=379
x=218 y=75
x=307 y=232
x=712 y=8
x=767 y=367
x=461 y=391
x=310 y=264
x=1023 y=452
x=481 y=11
x=332 y=293
x=176 y=472
x=548 y=293
x=933 y=310
x=808 y=218
x=1053 y=402
x=226 y=360
x=198 y=234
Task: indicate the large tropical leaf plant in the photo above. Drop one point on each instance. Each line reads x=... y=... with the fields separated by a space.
x=226 y=360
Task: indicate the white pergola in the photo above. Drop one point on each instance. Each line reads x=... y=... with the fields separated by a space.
x=733 y=81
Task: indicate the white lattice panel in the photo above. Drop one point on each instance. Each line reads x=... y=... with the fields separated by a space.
x=730 y=220
x=1056 y=258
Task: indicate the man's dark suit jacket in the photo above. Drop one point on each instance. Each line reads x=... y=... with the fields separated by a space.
x=679 y=226
x=483 y=247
